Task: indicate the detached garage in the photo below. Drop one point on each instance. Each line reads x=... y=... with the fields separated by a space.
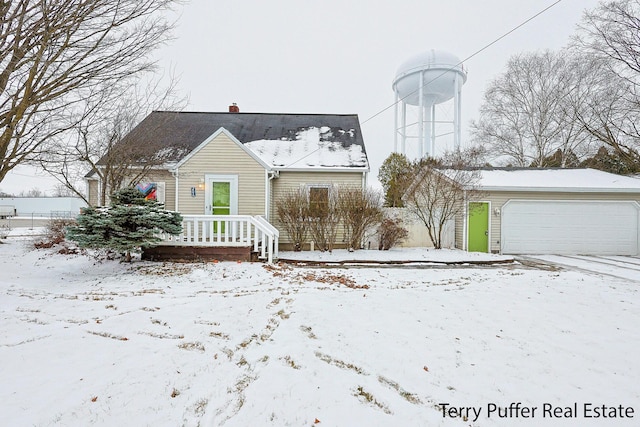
x=553 y=211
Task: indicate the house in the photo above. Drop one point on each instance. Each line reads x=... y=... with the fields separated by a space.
x=238 y=164
x=552 y=211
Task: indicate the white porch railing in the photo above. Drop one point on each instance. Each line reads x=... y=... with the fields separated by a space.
x=227 y=230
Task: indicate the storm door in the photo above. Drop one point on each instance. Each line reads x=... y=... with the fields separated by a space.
x=221 y=196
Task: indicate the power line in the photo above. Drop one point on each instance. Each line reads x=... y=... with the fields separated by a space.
x=453 y=68
x=30 y=176
x=531 y=18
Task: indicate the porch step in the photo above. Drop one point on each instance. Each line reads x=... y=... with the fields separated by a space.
x=198 y=253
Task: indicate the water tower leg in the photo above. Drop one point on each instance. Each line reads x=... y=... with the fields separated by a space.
x=425 y=131
x=403 y=141
x=432 y=139
x=421 y=116
x=457 y=113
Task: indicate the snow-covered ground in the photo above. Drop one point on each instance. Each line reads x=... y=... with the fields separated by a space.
x=93 y=342
x=607 y=266
x=420 y=255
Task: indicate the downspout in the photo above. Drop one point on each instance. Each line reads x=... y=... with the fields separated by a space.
x=270 y=175
x=267 y=194
x=175 y=175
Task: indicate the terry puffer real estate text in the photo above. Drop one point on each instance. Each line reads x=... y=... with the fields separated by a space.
x=545 y=410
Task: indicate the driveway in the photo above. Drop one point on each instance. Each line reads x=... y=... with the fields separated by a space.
x=622 y=267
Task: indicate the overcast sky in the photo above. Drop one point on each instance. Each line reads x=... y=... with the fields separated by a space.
x=341 y=56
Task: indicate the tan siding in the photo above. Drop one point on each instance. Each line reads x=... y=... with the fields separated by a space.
x=498 y=199
x=222 y=156
x=92 y=195
x=293 y=180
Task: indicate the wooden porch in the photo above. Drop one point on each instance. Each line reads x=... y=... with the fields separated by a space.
x=219 y=237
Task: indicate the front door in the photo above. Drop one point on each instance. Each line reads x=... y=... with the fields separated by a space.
x=478 y=230
x=221 y=196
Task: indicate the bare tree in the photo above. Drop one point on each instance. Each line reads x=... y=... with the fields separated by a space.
x=526 y=116
x=610 y=32
x=608 y=37
x=54 y=55
x=61 y=190
x=99 y=144
x=441 y=190
x=605 y=108
x=33 y=192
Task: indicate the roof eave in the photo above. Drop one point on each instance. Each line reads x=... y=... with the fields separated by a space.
x=560 y=189
x=358 y=169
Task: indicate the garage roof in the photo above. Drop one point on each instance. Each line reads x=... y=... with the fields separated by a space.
x=556 y=180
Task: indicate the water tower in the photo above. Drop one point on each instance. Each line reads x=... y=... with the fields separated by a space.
x=423 y=81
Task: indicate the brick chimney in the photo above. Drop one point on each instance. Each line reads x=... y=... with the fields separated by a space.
x=233 y=108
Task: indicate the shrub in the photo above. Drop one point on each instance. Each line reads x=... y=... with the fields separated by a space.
x=323 y=222
x=5 y=229
x=56 y=230
x=319 y=211
x=360 y=210
x=391 y=233
x=293 y=212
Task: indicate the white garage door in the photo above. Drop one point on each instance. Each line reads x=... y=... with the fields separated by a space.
x=569 y=227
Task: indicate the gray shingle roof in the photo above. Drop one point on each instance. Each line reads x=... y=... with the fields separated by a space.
x=187 y=130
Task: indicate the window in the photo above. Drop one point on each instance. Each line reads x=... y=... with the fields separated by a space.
x=318 y=199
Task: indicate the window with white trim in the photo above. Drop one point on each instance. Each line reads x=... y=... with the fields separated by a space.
x=319 y=196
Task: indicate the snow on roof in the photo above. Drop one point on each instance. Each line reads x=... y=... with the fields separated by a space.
x=312 y=148
x=557 y=180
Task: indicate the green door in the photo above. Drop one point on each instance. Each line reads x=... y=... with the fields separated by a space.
x=220 y=200
x=478 y=230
